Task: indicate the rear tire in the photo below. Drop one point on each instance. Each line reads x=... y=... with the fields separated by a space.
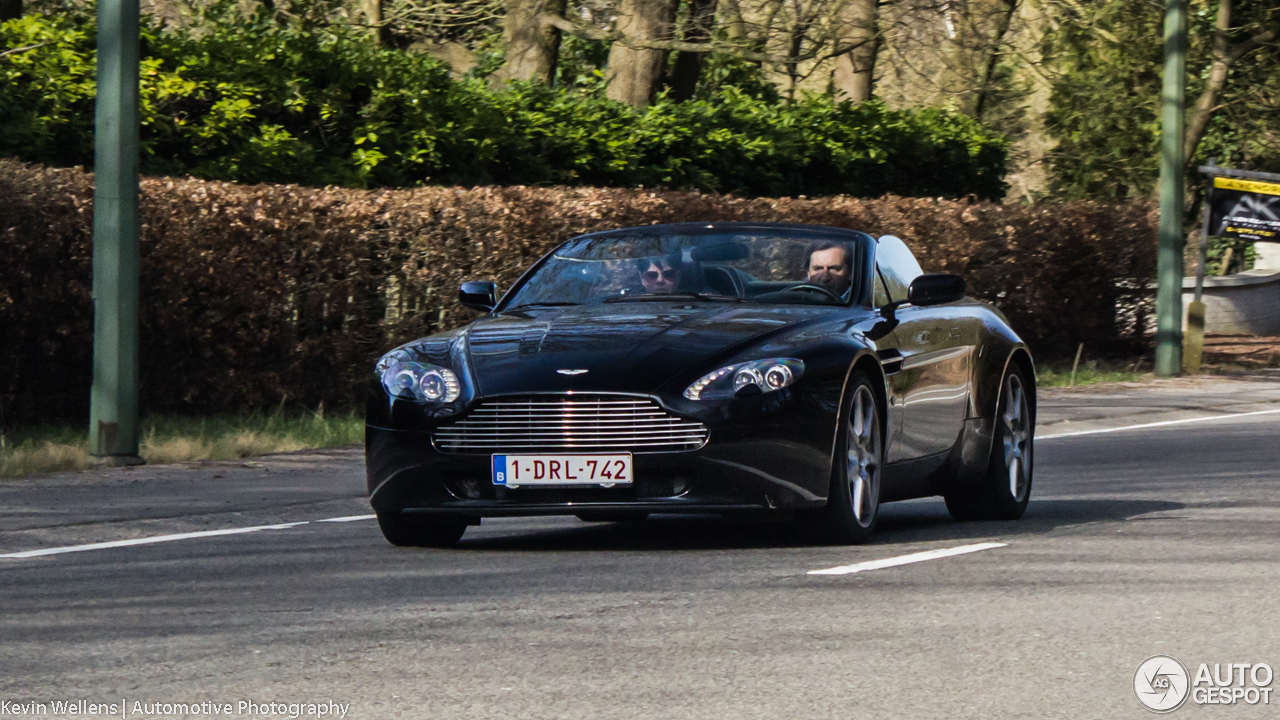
x=420 y=531
x=1005 y=490
x=626 y=516
x=853 y=503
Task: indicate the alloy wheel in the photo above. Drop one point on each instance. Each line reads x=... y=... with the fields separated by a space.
x=864 y=444
x=1016 y=421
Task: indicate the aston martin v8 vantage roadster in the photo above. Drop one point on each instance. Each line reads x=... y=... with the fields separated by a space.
x=720 y=368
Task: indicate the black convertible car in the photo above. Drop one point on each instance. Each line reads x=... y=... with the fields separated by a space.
x=706 y=368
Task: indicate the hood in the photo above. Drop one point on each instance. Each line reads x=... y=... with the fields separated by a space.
x=634 y=347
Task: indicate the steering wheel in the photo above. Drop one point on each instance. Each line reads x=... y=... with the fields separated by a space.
x=809 y=287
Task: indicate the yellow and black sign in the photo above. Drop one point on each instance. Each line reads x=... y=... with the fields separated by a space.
x=1245 y=208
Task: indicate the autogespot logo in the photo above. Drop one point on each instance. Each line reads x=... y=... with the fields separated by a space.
x=1161 y=683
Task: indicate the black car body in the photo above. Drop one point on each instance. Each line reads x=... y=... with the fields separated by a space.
x=618 y=377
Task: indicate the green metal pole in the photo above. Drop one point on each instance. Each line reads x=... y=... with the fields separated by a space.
x=113 y=409
x=1172 y=168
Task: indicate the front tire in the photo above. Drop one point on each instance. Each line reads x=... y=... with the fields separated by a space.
x=853 y=503
x=410 y=531
x=1005 y=490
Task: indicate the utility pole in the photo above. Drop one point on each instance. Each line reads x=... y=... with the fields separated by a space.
x=1172 y=169
x=113 y=408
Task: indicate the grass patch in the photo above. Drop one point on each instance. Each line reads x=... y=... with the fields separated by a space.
x=170 y=439
x=1092 y=372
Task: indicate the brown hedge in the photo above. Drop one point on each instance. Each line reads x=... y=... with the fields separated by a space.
x=259 y=295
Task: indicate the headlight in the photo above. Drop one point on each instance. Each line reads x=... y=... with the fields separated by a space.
x=417 y=381
x=749 y=378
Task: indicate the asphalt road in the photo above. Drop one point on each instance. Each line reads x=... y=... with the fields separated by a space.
x=1156 y=540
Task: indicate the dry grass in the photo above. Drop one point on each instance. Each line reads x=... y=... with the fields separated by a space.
x=172 y=440
x=243 y=444
x=43 y=457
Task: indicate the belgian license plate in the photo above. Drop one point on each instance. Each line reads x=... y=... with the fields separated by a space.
x=517 y=470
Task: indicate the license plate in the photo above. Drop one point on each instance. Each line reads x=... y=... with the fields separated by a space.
x=607 y=470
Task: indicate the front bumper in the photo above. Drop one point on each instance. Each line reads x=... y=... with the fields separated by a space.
x=740 y=469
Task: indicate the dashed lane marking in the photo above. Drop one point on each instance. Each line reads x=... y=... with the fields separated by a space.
x=147 y=540
x=349 y=518
x=907 y=559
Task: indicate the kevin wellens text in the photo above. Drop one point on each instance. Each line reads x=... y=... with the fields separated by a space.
x=123 y=708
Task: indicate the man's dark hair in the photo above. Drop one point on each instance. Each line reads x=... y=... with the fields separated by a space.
x=821 y=245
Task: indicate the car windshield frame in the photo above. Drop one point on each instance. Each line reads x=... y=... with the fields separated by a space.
x=704 y=239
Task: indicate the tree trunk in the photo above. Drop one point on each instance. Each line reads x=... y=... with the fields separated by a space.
x=735 y=26
x=373 y=16
x=853 y=76
x=697 y=28
x=635 y=74
x=10 y=10
x=532 y=46
x=987 y=73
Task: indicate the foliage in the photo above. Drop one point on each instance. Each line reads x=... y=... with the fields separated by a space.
x=1105 y=104
x=46 y=91
x=720 y=71
x=1243 y=255
x=1104 y=110
x=252 y=100
x=259 y=295
x=581 y=63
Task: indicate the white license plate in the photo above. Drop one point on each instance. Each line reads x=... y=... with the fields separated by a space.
x=606 y=470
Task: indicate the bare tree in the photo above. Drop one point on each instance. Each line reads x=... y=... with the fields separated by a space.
x=793 y=39
x=950 y=51
x=854 y=72
x=992 y=29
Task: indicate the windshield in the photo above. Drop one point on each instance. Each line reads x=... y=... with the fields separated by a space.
x=758 y=266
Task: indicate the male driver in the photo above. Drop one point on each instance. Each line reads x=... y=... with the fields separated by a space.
x=831 y=267
x=660 y=276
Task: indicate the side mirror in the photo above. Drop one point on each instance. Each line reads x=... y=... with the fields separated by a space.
x=478 y=295
x=935 y=289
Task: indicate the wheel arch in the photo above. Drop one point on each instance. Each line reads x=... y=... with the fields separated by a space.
x=1021 y=358
x=867 y=362
x=977 y=441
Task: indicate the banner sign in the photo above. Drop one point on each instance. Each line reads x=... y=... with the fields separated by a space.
x=1245 y=208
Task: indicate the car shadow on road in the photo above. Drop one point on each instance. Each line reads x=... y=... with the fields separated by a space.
x=916 y=521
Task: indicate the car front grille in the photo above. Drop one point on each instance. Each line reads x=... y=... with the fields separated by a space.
x=577 y=423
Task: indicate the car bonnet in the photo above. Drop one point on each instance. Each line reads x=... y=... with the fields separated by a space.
x=622 y=348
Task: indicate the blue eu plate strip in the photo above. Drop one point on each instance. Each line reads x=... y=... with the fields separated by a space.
x=499 y=469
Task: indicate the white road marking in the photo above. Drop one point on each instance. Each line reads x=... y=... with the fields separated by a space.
x=907 y=559
x=147 y=540
x=349 y=518
x=1158 y=424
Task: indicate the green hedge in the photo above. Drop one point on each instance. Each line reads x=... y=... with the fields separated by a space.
x=250 y=100
x=255 y=296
